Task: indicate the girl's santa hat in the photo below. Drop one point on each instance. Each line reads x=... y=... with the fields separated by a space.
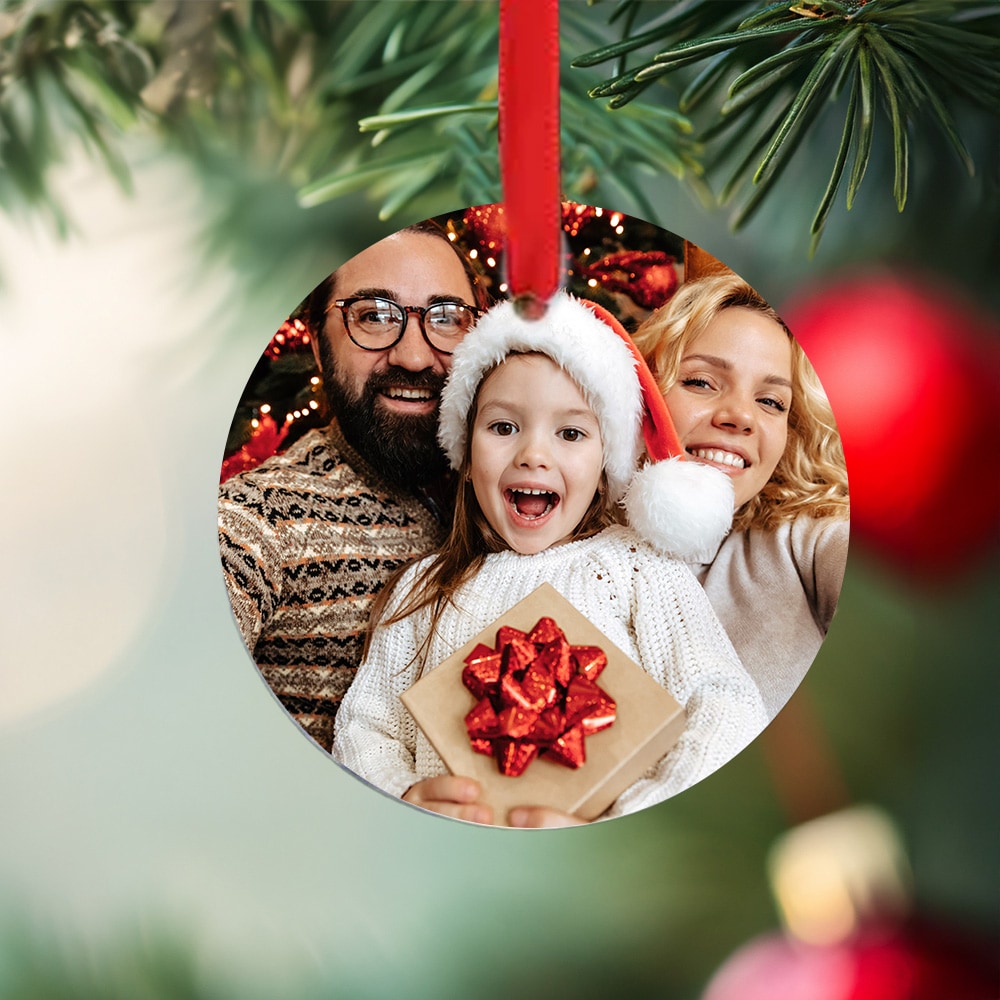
x=681 y=507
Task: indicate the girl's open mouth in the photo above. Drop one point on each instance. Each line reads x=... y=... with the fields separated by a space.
x=531 y=504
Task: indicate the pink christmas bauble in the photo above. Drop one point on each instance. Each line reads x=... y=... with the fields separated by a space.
x=912 y=963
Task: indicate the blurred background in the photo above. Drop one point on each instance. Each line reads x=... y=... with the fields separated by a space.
x=176 y=177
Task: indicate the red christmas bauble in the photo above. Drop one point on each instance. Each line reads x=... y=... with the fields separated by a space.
x=913 y=375
x=648 y=277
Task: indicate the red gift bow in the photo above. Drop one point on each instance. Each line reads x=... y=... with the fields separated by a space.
x=537 y=695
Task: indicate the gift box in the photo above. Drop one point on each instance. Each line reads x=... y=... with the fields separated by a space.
x=647 y=720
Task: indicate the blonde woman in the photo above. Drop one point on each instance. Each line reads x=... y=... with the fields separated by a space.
x=745 y=399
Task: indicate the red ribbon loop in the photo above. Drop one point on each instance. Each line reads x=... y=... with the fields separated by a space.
x=529 y=145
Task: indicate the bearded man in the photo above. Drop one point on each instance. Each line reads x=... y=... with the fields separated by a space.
x=310 y=536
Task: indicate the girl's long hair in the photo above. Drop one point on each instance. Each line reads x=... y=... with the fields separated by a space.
x=811 y=476
x=470 y=540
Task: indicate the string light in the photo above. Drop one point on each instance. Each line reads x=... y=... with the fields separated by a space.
x=291 y=335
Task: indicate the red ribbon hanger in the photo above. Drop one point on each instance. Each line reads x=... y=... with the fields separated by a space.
x=529 y=145
x=531 y=178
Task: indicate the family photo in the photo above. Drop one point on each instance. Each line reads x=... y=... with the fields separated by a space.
x=654 y=445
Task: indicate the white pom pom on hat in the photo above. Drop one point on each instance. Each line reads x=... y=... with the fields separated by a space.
x=682 y=508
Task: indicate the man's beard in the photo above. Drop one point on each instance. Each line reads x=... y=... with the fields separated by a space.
x=402 y=449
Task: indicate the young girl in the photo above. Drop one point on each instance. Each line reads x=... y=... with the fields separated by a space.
x=542 y=420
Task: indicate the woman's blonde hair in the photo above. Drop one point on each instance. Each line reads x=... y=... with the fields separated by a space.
x=811 y=476
x=469 y=541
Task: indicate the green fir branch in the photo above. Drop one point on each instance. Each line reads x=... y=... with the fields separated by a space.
x=866 y=125
x=399 y=98
x=910 y=60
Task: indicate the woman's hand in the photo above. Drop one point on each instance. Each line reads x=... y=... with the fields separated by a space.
x=540 y=817
x=451 y=795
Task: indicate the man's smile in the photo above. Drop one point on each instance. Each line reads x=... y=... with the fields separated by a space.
x=403 y=400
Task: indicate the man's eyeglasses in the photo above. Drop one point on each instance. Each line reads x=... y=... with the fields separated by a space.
x=378 y=324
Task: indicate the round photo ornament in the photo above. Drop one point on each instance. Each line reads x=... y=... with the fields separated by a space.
x=498 y=497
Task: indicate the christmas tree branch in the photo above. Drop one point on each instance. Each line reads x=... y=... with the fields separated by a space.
x=399 y=98
x=911 y=58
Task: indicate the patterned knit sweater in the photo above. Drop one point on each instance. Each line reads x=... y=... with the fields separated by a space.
x=651 y=607
x=307 y=539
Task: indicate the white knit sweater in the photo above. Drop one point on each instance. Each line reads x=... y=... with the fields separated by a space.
x=651 y=607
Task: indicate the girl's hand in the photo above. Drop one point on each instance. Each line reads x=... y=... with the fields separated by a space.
x=539 y=817
x=451 y=795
